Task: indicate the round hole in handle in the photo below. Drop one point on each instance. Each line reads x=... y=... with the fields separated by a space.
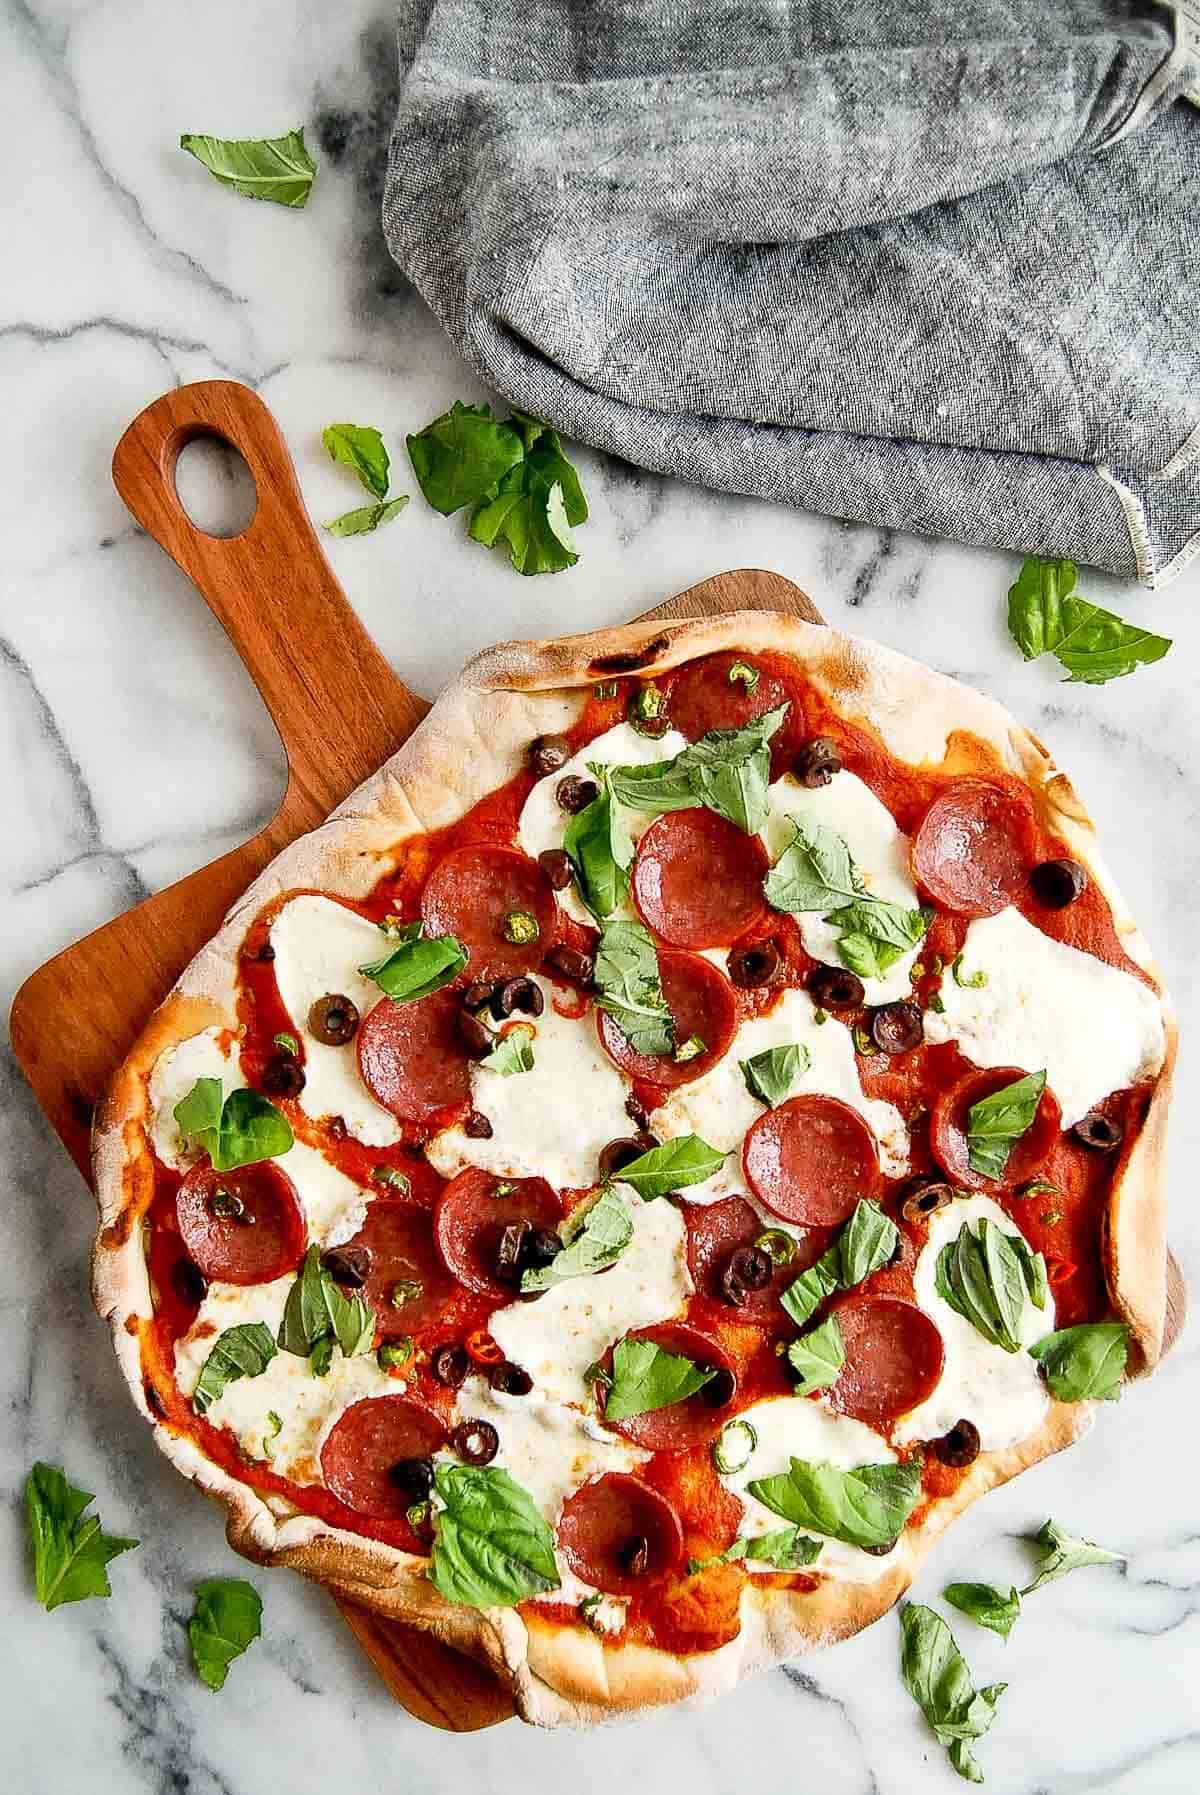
x=215 y=487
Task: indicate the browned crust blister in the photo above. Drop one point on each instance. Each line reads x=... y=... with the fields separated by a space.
x=471 y=742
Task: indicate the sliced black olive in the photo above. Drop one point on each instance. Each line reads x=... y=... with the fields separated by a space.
x=817 y=762
x=266 y=954
x=333 y=1020
x=960 y=1446
x=618 y=1154
x=547 y=753
x=572 y=963
x=835 y=988
x=336 y=1126
x=634 y=1556
x=1057 y=883
x=1098 y=1132
x=449 y=1364
x=575 y=794
x=747 y=1268
x=283 y=1076
x=882 y=1551
x=510 y=1379
x=556 y=868
x=474 y=1038
x=636 y=1110
x=719 y=1389
x=897 y=1027
x=510 y=1251
x=518 y=994
x=541 y=1247
x=413 y=1477
x=350 y=1266
x=481 y=992
x=760 y=963
x=226 y=1204
x=191 y=1285
x=477 y=1127
x=925 y=1196
x=475 y=1442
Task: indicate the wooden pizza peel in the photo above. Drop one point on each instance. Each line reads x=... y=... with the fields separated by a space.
x=274 y=594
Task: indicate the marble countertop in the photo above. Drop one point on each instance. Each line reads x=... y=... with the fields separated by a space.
x=133 y=748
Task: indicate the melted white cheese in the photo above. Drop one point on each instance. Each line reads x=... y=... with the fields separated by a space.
x=1094 y=1028
x=174 y=1074
x=1001 y=1392
x=789 y=1427
x=543 y=821
x=548 y=1448
x=558 y=1335
x=551 y=1122
x=878 y=849
x=719 y=1107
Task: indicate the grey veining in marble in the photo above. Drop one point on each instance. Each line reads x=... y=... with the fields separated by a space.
x=133 y=748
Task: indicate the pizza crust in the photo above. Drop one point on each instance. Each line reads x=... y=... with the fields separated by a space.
x=472 y=741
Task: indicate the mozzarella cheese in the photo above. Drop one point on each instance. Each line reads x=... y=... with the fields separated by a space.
x=551 y=1122
x=560 y=1333
x=1094 y=1028
x=174 y=1074
x=878 y=849
x=543 y=820
x=788 y=1427
x=719 y=1107
x=548 y=1448
x=319 y=946
x=1001 y=1392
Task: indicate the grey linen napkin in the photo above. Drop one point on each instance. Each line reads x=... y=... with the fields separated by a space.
x=934 y=266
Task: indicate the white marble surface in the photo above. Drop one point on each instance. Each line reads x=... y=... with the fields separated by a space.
x=132 y=748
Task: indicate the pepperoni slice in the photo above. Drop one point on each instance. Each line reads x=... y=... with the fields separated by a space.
x=364 y=1444
x=471 y=1214
x=974 y=847
x=698 y=880
x=704 y=697
x=603 y=1525
x=701 y=1000
x=411 y=1057
x=471 y=892
x=242 y=1227
x=948 y=1124
x=716 y=1230
x=894 y=1359
x=810 y=1160
x=687 y=1423
x=399 y=1238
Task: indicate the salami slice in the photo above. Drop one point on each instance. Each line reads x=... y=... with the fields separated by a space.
x=242 y=1227
x=407 y=1285
x=701 y=1000
x=366 y=1442
x=411 y=1056
x=716 y=1231
x=699 y=1418
x=894 y=1359
x=974 y=847
x=810 y=1160
x=474 y=892
x=698 y=880
x=472 y=1213
x=704 y=697
x=948 y=1124
x=618 y=1534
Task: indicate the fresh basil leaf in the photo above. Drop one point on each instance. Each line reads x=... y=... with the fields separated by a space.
x=532 y=512
x=460 y=458
x=512 y=1053
x=804 y=1296
x=630 y=988
x=252 y=1129
x=227 y=1619
x=492 y=1547
x=785 y=1547
x=597 y=843
x=867 y=1507
x=360 y=448
x=814 y=872
x=770 y=1076
x=728 y=770
x=646 y=1376
x=244 y=1351
x=591 y=1243
x=316 y=1316
x=653 y=788
x=996 y=1123
x=1045 y=614
x=367 y=517
x=417 y=967
x=70 y=1554
x=1061 y=1554
x=982 y=1275
x=939 y=1680
x=674 y=1165
x=1085 y=1363
x=996 y=1609
x=865 y=1244
x=876 y=934
x=817 y=1357
x=275 y=168
x=199 y=1115
x=1033 y=1265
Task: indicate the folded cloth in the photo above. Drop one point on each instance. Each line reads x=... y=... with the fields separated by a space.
x=929 y=264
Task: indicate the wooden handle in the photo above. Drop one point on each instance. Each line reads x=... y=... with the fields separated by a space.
x=272 y=590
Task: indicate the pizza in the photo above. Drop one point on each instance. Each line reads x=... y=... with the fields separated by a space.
x=685 y=1128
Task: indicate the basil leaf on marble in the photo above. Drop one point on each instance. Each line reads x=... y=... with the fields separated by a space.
x=226 y=1620
x=939 y=1680
x=1061 y=1554
x=727 y=770
x=70 y=1553
x=646 y=1376
x=317 y=1316
x=417 y=966
x=460 y=458
x=1046 y=615
x=674 y=1165
x=592 y=1241
x=243 y=1351
x=241 y=1130
x=817 y=1357
x=996 y=1609
x=534 y=507
x=1084 y=1363
x=770 y=1076
x=630 y=988
x=598 y=845
x=866 y=1507
x=814 y=872
x=275 y=168
x=985 y=1278
x=492 y=1546
x=512 y=1053
x=360 y=448
x=867 y=1242
x=996 y=1123
x=367 y=517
